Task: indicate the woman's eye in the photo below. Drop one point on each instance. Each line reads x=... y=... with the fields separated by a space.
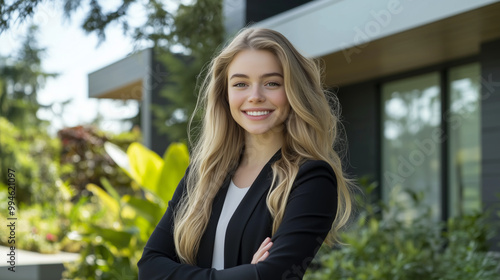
x=239 y=85
x=273 y=84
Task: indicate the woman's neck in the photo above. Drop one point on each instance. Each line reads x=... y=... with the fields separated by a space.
x=259 y=149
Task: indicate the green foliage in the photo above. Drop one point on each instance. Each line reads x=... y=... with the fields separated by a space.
x=98 y=18
x=158 y=176
x=196 y=39
x=33 y=154
x=36 y=156
x=113 y=243
x=395 y=247
x=85 y=159
x=41 y=227
x=145 y=166
x=19 y=9
x=159 y=26
x=176 y=160
x=172 y=119
x=21 y=76
x=200 y=39
x=24 y=144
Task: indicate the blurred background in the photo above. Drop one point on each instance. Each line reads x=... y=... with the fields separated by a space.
x=95 y=97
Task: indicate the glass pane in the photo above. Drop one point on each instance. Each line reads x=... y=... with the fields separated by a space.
x=464 y=143
x=411 y=138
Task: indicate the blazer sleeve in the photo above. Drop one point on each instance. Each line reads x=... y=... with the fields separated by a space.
x=309 y=214
x=308 y=217
x=159 y=259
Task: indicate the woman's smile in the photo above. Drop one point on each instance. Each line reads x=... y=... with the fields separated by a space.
x=257 y=113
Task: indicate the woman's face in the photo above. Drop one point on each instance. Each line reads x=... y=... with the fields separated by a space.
x=256 y=92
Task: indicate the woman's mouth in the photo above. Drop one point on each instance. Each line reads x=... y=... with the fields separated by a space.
x=257 y=113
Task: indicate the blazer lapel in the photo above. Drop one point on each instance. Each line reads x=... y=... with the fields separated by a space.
x=241 y=215
x=205 y=252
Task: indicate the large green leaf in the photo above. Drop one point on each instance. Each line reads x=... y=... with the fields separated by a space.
x=176 y=160
x=145 y=208
x=112 y=204
x=119 y=239
x=145 y=166
x=110 y=189
x=118 y=156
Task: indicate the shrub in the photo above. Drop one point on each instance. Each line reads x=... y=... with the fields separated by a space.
x=114 y=235
x=86 y=161
x=34 y=155
x=40 y=161
x=423 y=248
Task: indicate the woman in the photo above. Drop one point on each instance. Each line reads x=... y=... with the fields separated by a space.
x=265 y=187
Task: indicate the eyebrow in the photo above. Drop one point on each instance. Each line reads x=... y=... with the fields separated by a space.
x=237 y=75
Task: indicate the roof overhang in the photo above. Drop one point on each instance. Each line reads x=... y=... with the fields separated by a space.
x=360 y=40
x=123 y=79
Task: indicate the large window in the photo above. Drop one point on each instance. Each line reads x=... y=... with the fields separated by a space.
x=411 y=113
x=464 y=129
x=421 y=153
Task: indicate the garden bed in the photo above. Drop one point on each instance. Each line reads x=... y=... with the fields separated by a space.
x=35 y=266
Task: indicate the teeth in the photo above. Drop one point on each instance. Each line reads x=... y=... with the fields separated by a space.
x=258 y=113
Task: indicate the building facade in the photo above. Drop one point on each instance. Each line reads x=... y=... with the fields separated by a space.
x=140 y=76
x=418 y=82
x=419 y=86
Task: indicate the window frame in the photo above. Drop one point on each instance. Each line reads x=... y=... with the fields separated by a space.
x=443 y=70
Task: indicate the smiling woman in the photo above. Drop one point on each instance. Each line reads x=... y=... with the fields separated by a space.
x=256 y=94
x=265 y=186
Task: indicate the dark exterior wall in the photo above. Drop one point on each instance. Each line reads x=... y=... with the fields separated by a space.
x=490 y=130
x=157 y=78
x=258 y=10
x=360 y=113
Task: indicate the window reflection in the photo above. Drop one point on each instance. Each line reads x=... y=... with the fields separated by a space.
x=412 y=137
x=464 y=130
x=411 y=117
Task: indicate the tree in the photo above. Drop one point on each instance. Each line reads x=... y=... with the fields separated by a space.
x=20 y=79
x=97 y=18
x=196 y=29
x=160 y=26
x=200 y=38
x=24 y=145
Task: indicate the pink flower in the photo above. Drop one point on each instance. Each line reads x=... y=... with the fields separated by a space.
x=50 y=237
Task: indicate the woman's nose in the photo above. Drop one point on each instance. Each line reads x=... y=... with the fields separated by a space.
x=256 y=94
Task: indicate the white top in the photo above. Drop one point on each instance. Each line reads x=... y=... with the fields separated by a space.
x=233 y=198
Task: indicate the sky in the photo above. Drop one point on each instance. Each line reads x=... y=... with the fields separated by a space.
x=73 y=55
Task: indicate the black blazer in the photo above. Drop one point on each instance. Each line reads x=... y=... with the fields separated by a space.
x=309 y=214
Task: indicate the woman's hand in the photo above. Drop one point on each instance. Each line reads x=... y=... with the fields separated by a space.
x=263 y=251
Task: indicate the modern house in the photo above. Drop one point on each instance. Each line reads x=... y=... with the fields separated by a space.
x=418 y=82
x=141 y=77
x=419 y=86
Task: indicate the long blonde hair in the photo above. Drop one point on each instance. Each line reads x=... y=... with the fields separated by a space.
x=310 y=133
